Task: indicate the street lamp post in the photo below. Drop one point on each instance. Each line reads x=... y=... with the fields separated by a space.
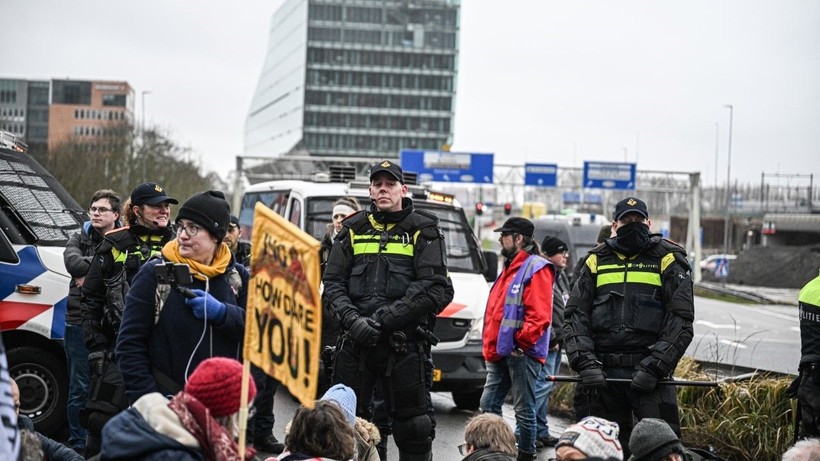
x=142 y=134
x=726 y=234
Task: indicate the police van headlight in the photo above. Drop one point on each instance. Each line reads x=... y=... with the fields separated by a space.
x=476 y=330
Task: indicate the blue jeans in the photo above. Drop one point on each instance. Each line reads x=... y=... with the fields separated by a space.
x=78 y=373
x=543 y=389
x=519 y=375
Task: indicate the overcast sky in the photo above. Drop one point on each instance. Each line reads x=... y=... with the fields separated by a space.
x=538 y=81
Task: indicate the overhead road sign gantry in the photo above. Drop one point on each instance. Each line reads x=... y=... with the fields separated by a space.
x=434 y=165
x=609 y=175
x=540 y=174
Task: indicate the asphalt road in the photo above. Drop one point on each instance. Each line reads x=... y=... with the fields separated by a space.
x=765 y=337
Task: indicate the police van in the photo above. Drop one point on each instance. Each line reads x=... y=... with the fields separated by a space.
x=37 y=217
x=459 y=364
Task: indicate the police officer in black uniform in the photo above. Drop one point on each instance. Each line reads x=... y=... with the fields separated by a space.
x=630 y=316
x=116 y=261
x=808 y=392
x=386 y=276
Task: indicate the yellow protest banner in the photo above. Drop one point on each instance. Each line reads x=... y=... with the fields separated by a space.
x=283 y=322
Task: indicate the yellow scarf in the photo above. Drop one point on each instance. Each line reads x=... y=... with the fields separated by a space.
x=200 y=271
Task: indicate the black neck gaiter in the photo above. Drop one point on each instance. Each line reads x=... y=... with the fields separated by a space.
x=631 y=238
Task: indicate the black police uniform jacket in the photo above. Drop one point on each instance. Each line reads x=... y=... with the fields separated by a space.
x=631 y=311
x=116 y=261
x=391 y=262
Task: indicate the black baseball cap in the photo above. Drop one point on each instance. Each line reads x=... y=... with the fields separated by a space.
x=630 y=205
x=150 y=193
x=517 y=225
x=233 y=221
x=388 y=167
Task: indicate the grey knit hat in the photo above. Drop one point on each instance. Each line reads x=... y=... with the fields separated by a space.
x=652 y=439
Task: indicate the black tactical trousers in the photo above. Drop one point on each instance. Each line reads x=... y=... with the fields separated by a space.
x=808 y=394
x=618 y=402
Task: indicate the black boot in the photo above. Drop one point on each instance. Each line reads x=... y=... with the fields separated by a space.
x=523 y=456
x=381 y=448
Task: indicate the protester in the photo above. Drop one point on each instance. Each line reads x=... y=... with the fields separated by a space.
x=342 y=208
x=367 y=434
x=516 y=329
x=803 y=450
x=104 y=213
x=385 y=277
x=165 y=334
x=630 y=317
x=51 y=450
x=241 y=250
x=321 y=433
x=588 y=438
x=808 y=392
x=200 y=422
x=557 y=253
x=116 y=262
x=487 y=437
x=653 y=440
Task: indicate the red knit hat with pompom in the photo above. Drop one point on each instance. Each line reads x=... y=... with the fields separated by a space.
x=217 y=384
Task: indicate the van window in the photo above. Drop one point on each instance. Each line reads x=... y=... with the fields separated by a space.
x=295 y=212
x=7 y=253
x=275 y=200
x=46 y=213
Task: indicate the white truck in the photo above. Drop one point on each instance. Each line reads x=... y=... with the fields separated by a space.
x=458 y=361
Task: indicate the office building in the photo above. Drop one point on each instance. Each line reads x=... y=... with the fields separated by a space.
x=46 y=113
x=356 y=79
x=82 y=109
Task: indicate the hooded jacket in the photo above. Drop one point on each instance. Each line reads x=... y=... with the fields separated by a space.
x=149 y=431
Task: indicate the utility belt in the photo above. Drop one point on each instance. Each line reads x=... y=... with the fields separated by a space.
x=810 y=369
x=621 y=360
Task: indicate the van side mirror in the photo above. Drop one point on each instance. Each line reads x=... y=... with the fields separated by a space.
x=491 y=271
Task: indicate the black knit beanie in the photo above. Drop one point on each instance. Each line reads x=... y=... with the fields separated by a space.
x=210 y=210
x=652 y=439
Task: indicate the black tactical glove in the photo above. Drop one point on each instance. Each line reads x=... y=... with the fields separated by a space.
x=791 y=392
x=644 y=381
x=592 y=378
x=365 y=331
x=96 y=363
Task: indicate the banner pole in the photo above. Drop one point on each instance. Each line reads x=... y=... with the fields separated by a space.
x=243 y=407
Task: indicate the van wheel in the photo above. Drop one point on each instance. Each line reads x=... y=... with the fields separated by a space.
x=43 y=382
x=468 y=400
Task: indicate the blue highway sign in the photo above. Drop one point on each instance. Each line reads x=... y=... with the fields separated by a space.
x=540 y=174
x=609 y=175
x=433 y=165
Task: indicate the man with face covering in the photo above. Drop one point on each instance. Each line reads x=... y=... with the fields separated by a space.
x=630 y=316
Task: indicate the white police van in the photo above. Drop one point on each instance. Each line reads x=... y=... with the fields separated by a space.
x=459 y=364
x=37 y=216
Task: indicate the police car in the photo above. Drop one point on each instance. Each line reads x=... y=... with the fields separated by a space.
x=37 y=216
x=459 y=364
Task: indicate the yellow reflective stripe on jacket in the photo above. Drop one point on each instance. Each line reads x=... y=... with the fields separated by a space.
x=120 y=256
x=370 y=244
x=668 y=259
x=629 y=273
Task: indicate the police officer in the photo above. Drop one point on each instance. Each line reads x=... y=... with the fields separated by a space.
x=630 y=316
x=116 y=260
x=386 y=275
x=808 y=394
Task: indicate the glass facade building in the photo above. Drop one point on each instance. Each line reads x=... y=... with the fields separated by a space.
x=363 y=79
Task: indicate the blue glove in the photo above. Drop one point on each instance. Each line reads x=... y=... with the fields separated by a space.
x=205 y=302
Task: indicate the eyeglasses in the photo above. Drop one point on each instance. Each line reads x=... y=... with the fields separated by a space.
x=100 y=210
x=190 y=229
x=462 y=449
